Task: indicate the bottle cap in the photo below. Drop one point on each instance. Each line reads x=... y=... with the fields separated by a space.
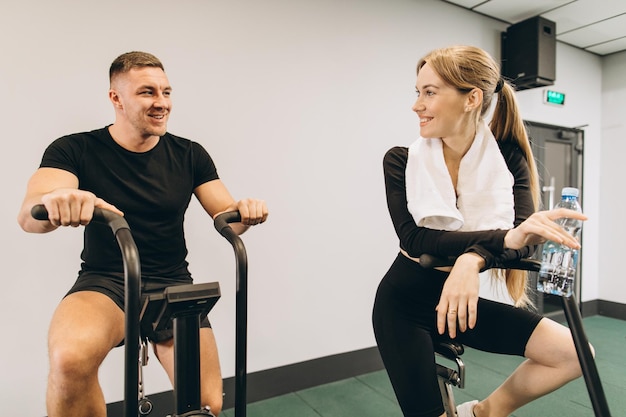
x=569 y=192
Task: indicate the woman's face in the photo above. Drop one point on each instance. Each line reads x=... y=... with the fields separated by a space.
x=441 y=108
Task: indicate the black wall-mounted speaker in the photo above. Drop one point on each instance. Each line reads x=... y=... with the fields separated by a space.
x=529 y=53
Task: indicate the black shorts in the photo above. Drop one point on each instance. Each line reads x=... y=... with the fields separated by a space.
x=111 y=284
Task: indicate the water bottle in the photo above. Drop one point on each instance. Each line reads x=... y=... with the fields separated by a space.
x=558 y=262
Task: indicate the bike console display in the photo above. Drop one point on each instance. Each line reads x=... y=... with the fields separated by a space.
x=160 y=309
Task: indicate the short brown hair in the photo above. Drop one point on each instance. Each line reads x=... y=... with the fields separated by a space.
x=134 y=59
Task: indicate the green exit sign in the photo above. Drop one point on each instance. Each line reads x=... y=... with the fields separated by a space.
x=553 y=97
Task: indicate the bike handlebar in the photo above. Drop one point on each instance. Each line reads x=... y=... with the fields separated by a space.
x=132 y=287
x=221 y=222
x=108 y=217
x=526 y=264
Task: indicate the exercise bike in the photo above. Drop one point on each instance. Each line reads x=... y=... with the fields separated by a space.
x=452 y=350
x=180 y=308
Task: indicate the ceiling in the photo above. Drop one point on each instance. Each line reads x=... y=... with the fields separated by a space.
x=597 y=26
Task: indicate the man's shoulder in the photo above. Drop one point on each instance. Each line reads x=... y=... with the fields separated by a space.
x=177 y=139
x=86 y=135
x=67 y=152
x=180 y=142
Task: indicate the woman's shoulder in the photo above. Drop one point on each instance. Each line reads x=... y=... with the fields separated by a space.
x=515 y=159
x=511 y=151
x=397 y=154
x=394 y=162
x=508 y=146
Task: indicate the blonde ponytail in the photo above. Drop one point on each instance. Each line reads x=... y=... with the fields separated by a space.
x=507 y=125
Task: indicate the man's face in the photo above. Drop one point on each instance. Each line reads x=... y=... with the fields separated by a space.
x=142 y=98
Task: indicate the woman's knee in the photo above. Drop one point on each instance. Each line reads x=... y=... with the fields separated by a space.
x=551 y=344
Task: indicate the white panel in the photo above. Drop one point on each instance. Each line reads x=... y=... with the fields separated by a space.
x=466 y=3
x=609 y=47
x=584 y=12
x=516 y=11
x=595 y=34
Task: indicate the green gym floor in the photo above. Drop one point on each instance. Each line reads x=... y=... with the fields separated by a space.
x=371 y=395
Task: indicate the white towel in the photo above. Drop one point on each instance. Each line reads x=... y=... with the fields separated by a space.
x=484 y=186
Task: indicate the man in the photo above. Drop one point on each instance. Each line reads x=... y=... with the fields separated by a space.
x=136 y=168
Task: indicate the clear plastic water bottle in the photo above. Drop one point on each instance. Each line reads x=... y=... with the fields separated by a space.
x=558 y=262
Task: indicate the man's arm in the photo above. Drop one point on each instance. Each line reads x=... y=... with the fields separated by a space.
x=58 y=191
x=216 y=199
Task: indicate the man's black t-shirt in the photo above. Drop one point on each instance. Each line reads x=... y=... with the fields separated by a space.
x=152 y=188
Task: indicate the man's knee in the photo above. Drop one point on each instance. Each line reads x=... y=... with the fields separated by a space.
x=73 y=361
x=84 y=328
x=215 y=409
x=214 y=399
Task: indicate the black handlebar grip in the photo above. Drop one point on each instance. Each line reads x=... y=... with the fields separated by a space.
x=430 y=261
x=39 y=212
x=222 y=221
x=526 y=264
x=114 y=220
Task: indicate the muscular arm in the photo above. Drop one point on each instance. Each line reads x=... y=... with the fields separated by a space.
x=57 y=189
x=216 y=199
x=43 y=181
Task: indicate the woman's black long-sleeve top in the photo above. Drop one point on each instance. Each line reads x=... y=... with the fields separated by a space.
x=489 y=244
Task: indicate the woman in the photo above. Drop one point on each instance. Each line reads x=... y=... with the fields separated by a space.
x=469 y=190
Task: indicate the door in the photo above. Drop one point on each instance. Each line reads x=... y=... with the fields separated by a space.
x=559 y=155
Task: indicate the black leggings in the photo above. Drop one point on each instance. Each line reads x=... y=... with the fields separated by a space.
x=404 y=320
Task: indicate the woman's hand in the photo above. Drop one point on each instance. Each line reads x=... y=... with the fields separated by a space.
x=459 y=297
x=540 y=227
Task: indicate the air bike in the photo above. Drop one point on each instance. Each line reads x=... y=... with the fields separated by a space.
x=180 y=307
x=452 y=350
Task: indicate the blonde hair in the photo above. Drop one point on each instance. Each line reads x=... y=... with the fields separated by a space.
x=469 y=67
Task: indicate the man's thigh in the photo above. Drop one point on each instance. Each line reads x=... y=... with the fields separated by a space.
x=86 y=321
x=210 y=373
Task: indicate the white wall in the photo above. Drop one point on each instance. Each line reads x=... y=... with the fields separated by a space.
x=612 y=284
x=297 y=101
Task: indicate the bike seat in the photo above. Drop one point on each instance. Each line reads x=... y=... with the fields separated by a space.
x=448 y=348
